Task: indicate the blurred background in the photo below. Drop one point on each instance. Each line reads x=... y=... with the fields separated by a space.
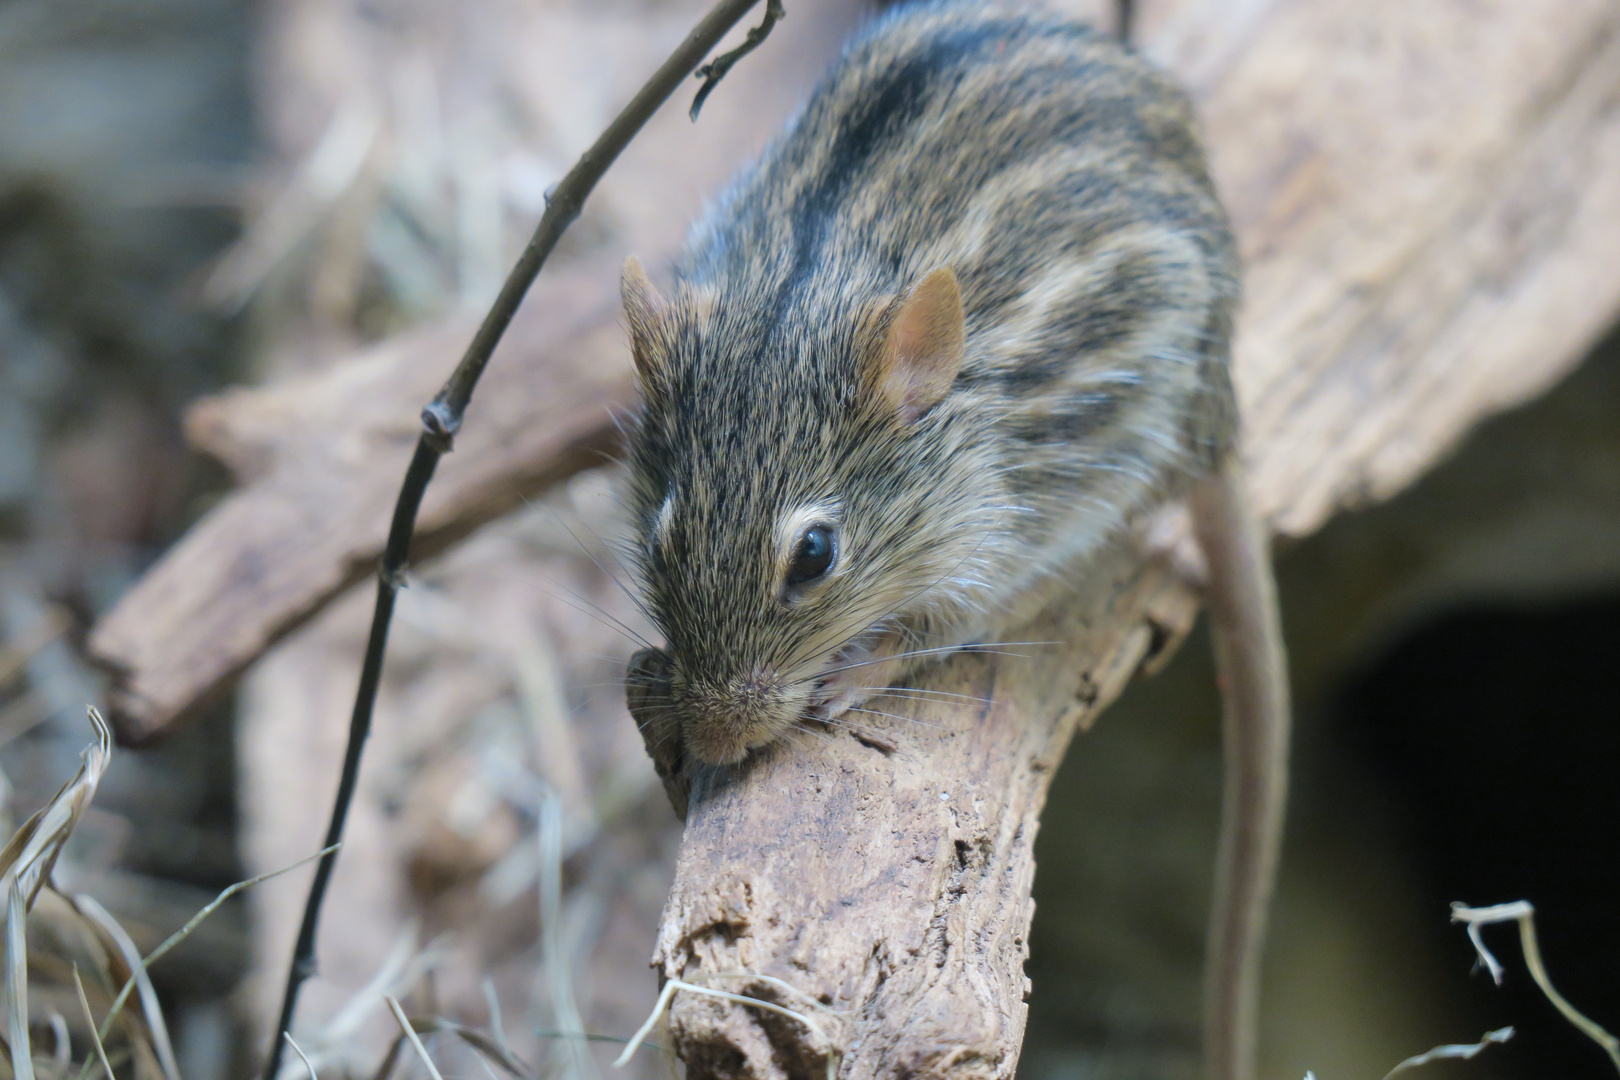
x=196 y=194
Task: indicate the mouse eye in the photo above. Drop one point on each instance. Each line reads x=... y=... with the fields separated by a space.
x=813 y=555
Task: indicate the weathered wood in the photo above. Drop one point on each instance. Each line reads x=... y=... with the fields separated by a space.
x=328 y=452
x=885 y=868
x=1428 y=201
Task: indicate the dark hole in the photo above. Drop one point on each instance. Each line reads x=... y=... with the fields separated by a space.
x=1497 y=733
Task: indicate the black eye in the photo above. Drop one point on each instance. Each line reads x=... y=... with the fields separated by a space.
x=813 y=555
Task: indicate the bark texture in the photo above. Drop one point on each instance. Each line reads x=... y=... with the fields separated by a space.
x=885 y=870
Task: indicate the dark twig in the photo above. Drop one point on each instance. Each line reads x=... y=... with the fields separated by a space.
x=715 y=70
x=1124 y=18
x=441 y=420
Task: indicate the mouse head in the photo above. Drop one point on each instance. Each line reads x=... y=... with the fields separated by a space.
x=798 y=483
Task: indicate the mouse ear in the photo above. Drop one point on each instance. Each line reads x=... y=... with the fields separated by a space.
x=644 y=309
x=919 y=359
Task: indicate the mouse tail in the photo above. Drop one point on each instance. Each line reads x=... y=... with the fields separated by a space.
x=1242 y=599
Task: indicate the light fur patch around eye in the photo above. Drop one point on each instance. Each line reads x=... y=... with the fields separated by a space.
x=791 y=526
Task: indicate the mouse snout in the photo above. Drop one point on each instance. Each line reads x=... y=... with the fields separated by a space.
x=726 y=718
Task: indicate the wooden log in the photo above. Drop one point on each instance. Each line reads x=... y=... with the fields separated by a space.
x=328 y=452
x=885 y=869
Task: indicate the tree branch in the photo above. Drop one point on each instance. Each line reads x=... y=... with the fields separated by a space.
x=715 y=70
x=883 y=866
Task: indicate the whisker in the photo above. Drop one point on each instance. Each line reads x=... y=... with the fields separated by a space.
x=665 y=737
x=659 y=706
x=984 y=649
x=654 y=717
x=623 y=680
x=840 y=724
x=925 y=695
x=895 y=716
x=589 y=554
x=844 y=725
x=666 y=703
x=596 y=611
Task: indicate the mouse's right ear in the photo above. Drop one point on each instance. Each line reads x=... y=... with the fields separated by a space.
x=644 y=310
x=923 y=349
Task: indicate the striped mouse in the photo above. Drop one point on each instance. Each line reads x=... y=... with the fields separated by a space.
x=964 y=322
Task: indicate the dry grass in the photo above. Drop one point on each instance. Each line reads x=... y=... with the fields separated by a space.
x=77 y=940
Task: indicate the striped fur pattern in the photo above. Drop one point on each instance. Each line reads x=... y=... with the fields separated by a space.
x=1060 y=179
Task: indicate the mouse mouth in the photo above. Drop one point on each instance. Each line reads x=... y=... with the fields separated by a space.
x=842 y=671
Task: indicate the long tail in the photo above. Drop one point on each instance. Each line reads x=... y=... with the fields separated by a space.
x=1242 y=598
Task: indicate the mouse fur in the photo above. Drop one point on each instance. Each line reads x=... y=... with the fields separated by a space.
x=805 y=367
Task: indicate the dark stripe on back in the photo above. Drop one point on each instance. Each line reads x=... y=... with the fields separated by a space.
x=895 y=101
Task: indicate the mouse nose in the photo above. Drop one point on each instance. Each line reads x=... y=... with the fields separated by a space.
x=727 y=718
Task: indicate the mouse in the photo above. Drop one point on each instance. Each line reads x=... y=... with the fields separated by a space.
x=959 y=326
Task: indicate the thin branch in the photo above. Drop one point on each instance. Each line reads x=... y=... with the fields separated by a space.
x=715 y=70
x=441 y=420
x=443 y=417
